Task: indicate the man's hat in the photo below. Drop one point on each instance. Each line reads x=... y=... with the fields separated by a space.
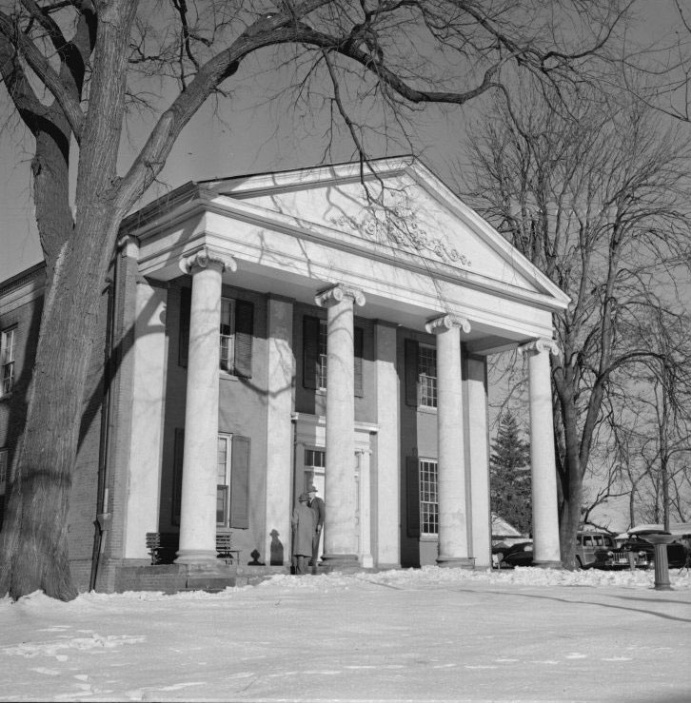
x=312 y=489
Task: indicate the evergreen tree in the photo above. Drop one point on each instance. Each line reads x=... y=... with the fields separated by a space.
x=510 y=475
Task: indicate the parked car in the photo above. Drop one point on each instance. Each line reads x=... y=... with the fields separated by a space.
x=589 y=543
x=639 y=552
x=520 y=554
x=499 y=551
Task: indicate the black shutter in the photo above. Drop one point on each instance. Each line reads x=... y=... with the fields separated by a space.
x=240 y=483
x=184 y=326
x=411 y=372
x=412 y=492
x=359 y=344
x=178 y=453
x=244 y=330
x=310 y=351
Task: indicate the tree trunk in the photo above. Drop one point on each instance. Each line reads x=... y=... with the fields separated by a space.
x=34 y=540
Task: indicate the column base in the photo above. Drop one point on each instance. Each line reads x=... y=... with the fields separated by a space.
x=456 y=562
x=196 y=556
x=340 y=562
x=548 y=564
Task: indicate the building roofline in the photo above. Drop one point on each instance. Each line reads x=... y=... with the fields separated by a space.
x=21 y=278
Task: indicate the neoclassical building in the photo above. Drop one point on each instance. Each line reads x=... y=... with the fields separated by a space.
x=327 y=326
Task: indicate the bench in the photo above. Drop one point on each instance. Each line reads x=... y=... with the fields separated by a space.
x=163 y=547
x=225 y=549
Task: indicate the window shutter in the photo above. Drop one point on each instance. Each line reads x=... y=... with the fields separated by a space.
x=184 y=326
x=412 y=496
x=359 y=343
x=244 y=330
x=240 y=483
x=411 y=375
x=178 y=452
x=310 y=351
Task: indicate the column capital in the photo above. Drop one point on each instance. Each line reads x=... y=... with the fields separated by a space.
x=206 y=258
x=128 y=247
x=538 y=346
x=335 y=294
x=440 y=324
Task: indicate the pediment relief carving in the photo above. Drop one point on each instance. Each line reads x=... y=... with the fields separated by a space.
x=397 y=225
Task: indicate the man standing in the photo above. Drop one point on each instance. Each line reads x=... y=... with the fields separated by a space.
x=319 y=509
x=304 y=523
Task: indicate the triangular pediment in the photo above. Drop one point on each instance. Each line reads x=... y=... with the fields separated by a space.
x=398 y=207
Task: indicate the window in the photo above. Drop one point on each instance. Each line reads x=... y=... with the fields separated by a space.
x=429 y=503
x=420 y=374
x=315 y=466
x=4 y=471
x=321 y=361
x=223 y=481
x=235 y=337
x=226 y=335
x=315 y=458
x=232 y=482
x=7 y=344
x=427 y=376
x=314 y=346
x=235 y=334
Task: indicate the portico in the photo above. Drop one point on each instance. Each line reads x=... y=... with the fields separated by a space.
x=354 y=342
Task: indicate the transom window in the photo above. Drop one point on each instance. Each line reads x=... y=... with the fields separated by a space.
x=427 y=376
x=429 y=502
x=7 y=344
x=223 y=480
x=315 y=458
x=227 y=336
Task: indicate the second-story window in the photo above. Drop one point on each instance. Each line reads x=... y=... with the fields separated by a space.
x=7 y=356
x=427 y=376
x=227 y=336
x=315 y=345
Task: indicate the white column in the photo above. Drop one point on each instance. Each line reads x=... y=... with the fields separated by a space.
x=546 y=550
x=478 y=455
x=279 y=448
x=386 y=476
x=148 y=407
x=365 y=555
x=198 y=508
x=451 y=473
x=339 y=531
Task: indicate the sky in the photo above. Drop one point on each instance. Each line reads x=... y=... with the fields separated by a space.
x=251 y=138
x=430 y=634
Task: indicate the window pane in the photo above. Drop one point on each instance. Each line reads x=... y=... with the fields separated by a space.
x=226 y=339
x=222 y=460
x=429 y=506
x=222 y=480
x=315 y=458
x=321 y=371
x=7 y=361
x=222 y=505
x=427 y=376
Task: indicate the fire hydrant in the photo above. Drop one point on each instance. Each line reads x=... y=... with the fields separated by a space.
x=661 y=566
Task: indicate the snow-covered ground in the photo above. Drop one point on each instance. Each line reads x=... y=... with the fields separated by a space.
x=413 y=635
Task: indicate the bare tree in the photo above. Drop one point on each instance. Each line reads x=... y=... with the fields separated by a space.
x=593 y=193
x=76 y=70
x=652 y=407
